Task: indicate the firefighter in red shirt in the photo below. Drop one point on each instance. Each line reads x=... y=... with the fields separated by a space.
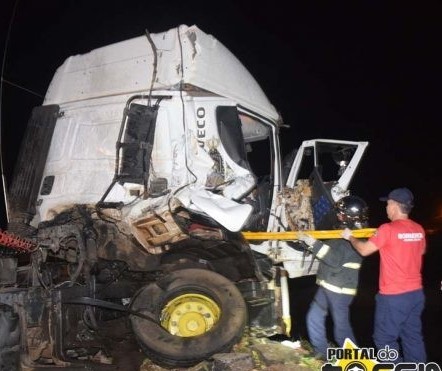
x=400 y=300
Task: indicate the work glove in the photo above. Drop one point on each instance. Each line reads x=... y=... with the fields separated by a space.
x=346 y=234
x=306 y=238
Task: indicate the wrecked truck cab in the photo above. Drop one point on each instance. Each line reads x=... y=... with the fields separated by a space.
x=136 y=181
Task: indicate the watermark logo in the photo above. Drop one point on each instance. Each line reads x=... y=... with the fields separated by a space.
x=352 y=358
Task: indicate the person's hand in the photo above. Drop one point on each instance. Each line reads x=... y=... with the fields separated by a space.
x=306 y=238
x=346 y=234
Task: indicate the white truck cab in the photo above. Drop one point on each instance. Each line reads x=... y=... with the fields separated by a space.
x=138 y=175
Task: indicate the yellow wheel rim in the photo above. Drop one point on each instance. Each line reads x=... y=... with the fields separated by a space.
x=190 y=315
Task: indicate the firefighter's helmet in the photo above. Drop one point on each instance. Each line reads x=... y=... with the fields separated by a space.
x=352 y=212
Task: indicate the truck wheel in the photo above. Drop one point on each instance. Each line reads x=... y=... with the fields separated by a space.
x=198 y=313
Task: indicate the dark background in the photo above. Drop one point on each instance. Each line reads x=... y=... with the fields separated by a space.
x=356 y=70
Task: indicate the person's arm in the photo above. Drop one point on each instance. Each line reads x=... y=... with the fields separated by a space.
x=327 y=253
x=362 y=247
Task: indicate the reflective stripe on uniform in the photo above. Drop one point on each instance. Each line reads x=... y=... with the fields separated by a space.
x=337 y=289
x=323 y=251
x=352 y=265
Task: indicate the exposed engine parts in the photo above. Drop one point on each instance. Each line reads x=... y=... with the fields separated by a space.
x=13 y=245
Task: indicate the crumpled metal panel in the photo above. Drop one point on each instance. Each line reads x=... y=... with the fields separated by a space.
x=156 y=231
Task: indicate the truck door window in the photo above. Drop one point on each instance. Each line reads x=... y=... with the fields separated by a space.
x=258 y=146
x=230 y=133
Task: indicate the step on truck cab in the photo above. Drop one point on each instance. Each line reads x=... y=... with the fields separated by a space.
x=136 y=180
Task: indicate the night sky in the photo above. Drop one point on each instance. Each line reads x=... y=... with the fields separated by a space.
x=353 y=70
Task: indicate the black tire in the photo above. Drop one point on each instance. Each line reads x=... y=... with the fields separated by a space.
x=221 y=317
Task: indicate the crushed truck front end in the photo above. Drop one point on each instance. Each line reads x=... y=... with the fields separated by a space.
x=135 y=182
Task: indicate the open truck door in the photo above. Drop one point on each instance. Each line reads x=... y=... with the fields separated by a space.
x=320 y=175
x=315 y=176
x=322 y=170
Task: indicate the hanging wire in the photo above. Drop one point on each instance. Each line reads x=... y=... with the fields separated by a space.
x=155 y=63
x=8 y=35
x=22 y=88
x=186 y=146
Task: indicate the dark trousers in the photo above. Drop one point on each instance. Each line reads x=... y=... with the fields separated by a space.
x=398 y=317
x=338 y=305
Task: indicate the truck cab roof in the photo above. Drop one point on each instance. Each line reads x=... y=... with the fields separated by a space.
x=180 y=58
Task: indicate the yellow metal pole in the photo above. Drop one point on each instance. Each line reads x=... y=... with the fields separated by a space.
x=285 y=303
x=293 y=235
